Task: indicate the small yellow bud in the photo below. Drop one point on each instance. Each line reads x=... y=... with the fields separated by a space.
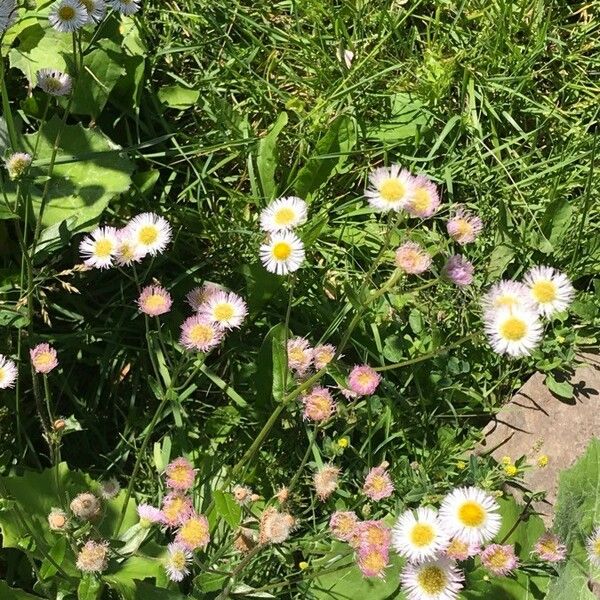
x=343 y=442
x=303 y=565
x=510 y=470
x=461 y=465
x=542 y=461
x=506 y=460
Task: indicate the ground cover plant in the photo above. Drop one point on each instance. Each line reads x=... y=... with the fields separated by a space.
x=268 y=269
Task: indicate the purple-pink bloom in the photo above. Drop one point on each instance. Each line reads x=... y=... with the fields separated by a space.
x=499 y=560
x=155 y=300
x=43 y=358
x=200 y=333
x=150 y=514
x=378 y=484
x=458 y=270
x=425 y=200
x=464 y=227
x=319 y=405
x=550 y=548
x=180 y=474
x=363 y=380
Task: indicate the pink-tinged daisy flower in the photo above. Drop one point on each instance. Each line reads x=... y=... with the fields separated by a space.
x=498 y=559
x=199 y=333
x=99 y=248
x=300 y=355
x=515 y=331
x=436 y=579
x=458 y=270
x=325 y=481
x=151 y=232
x=374 y=534
x=471 y=515
x=226 y=309
x=8 y=372
x=507 y=294
x=459 y=550
x=194 y=533
x=275 y=526
x=549 y=289
x=593 y=548
x=373 y=560
x=425 y=200
x=363 y=380
x=17 y=164
x=199 y=295
x=176 y=509
x=125 y=7
x=412 y=258
x=464 y=227
x=93 y=557
x=128 y=250
x=43 y=358
x=180 y=474
x=176 y=563
x=323 y=355
x=378 y=484
x=319 y=405
x=343 y=525
x=391 y=188
x=550 y=548
x=149 y=515
x=419 y=536
x=155 y=300
x=54 y=83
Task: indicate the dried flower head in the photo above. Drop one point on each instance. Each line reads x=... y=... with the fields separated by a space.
x=93 y=557
x=242 y=494
x=343 y=525
x=86 y=507
x=245 y=540
x=109 y=488
x=282 y=495
x=17 y=163
x=378 y=484
x=325 y=481
x=57 y=519
x=275 y=526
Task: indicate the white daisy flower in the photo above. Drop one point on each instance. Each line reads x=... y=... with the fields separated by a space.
x=8 y=14
x=471 y=515
x=515 y=332
x=225 y=309
x=55 y=83
x=507 y=294
x=284 y=213
x=125 y=7
x=593 y=548
x=283 y=253
x=67 y=16
x=176 y=563
x=8 y=372
x=390 y=188
x=550 y=289
x=432 y=580
x=96 y=9
x=151 y=232
x=99 y=248
x=419 y=537
x=202 y=294
x=128 y=250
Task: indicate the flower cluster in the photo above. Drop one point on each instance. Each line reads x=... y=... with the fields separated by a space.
x=302 y=356
x=283 y=251
x=513 y=310
x=67 y=16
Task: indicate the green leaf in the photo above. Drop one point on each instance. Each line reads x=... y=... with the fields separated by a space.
x=562 y=389
x=178 y=96
x=145 y=591
x=527 y=532
x=228 y=508
x=480 y=585
x=557 y=220
x=89 y=588
x=57 y=554
x=346 y=582
x=500 y=258
x=408 y=116
x=211 y=582
x=126 y=575
x=90 y=170
x=330 y=154
x=272 y=366
x=8 y=593
x=266 y=159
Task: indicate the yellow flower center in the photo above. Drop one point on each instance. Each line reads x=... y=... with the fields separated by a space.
x=544 y=291
x=89 y=6
x=421 y=201
x=43 y=359
x=548 y=546
x=53 y=84
x=365 y=378
x=148 y=234
x=374 y=561
x=457 y=548
x=66 y=13
x=463 y=228
x=321 y=404
x=2 y=374
x=178 y=560
x=471 y=514
x=498 y=559
x=296 y=354
x=422 y=535
x=392 y=190
x=179 y=474
x=154 y=302
x=201 y=333
x=513 y=329
x=378 y=483
x=223 y=312
x=284 y=216
x=282 y=250
x=375 y=536
x=346 y=525
x=194 y=532
x=596 y=548
x=103 y=248
x=174 y=508
x=432 y=579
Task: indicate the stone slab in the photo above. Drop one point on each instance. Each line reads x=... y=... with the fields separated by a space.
x=535 y=422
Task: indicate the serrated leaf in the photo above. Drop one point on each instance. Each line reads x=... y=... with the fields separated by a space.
x=562 y=389
x=228 y=508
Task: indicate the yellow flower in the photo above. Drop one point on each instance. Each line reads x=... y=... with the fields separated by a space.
x=461 y=465
x=343 y=442
x=542 y=461
x=303 y=565
x=510 y=470
x=506 y=460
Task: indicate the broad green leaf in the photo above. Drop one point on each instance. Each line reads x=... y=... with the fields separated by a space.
x=572 y=582
x=145 y=591
x=266 y=159
x=211 y=582
x=57 y=554
x=408 y=116
x=562 y=389
x=178 y=96
x=8 y=593
x=500 y=258
x=89 y=588
x=261 y=285
x=137 y=568
x=527 y=532
x=481 y=585
x=272 y=366
x=228 y=508
x=557 y=220
x=89 y=171
x=329 y=155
